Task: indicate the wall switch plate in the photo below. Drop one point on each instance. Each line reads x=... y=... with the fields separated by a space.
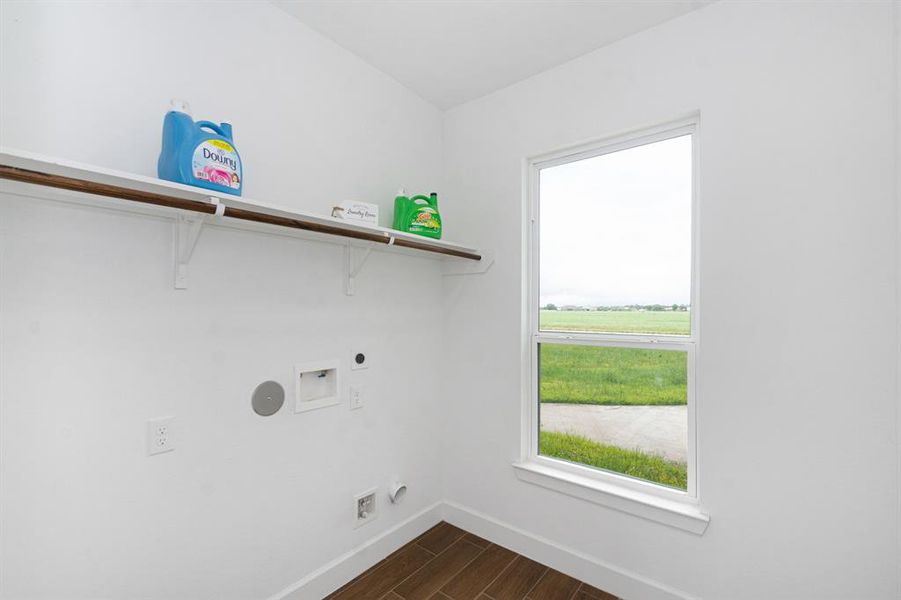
x=160 y=435
x=356 y=396
x=359 y=360
x=366 y=508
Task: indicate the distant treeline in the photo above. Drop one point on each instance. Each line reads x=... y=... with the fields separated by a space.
x=627 y=307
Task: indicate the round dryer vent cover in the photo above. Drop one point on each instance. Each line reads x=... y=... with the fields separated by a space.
x=268 y=398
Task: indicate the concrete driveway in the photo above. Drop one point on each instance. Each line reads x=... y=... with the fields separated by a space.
x=661 y=430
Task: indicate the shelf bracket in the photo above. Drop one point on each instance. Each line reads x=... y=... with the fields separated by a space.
x=188 y=227
x=353 y=266
x=455 y=266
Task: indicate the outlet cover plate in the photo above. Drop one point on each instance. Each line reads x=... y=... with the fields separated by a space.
x=160 y=435
x=366 y=501
x=356 y=396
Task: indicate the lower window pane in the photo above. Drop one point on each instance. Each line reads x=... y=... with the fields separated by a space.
x=618 y=409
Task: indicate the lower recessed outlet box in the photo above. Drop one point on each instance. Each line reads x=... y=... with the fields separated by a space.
x=316 y=385
x=366 y=507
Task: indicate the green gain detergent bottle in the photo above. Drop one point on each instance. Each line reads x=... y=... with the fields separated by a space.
x=417 y=214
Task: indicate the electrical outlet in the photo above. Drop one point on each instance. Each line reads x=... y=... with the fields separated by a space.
x=366 y=508
x=356 y=396
x=160 y=435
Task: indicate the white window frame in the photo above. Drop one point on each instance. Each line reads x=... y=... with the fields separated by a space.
x=650 y=500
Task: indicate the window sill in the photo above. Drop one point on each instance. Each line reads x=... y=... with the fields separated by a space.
x=680 y=515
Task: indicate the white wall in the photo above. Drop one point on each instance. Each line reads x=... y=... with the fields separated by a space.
x=95 y=341
x=798 y=356
x=798 y=413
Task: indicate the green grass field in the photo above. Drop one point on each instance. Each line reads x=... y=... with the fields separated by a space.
x=615 y=376
x=613 y=321
x=612 y=376
x=574 y=448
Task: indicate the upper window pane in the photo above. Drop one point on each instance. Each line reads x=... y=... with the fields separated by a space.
x=615 y=245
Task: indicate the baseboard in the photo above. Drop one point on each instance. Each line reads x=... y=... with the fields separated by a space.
x=324 y=580
x=626 y=585
x=331 y=576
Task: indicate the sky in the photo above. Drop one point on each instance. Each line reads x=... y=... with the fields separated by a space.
x=616 y=229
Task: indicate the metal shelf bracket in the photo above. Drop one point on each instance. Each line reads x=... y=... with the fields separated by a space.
x=188 y=227
x=454 y=267
x=353 y=266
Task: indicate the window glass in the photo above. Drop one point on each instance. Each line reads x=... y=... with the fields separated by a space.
x=615 y=235
x=614 y=258
x=617 y=409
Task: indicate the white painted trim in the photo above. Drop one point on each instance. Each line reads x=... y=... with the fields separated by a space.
x=896 y=64
x=657 y=507
x=606 y=576
x=332 y=575
x=617 y=142
x=623 y=340
x=562 y=469
x=589 y=569
x=533 y=336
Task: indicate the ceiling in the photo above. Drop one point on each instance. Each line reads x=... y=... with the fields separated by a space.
x=453 y=51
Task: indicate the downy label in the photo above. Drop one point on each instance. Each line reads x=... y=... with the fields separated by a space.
x=217 y=162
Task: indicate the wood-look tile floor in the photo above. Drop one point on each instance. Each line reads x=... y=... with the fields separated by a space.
x=447 y=563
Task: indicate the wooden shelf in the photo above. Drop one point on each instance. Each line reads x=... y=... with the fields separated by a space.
x=30 y=168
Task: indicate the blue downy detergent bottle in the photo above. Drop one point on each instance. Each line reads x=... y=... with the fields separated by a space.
x=200 y=153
